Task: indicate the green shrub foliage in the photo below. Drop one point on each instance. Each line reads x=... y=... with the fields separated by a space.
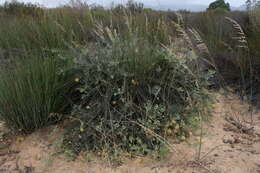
x=133 y=95
x=219 y=4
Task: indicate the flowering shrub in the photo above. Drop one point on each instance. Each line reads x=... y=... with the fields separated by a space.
x=133 y=96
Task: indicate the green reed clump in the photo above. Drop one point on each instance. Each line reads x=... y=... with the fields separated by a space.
x=59 y=27
x=33 y=93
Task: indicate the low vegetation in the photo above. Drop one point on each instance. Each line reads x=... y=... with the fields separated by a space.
x=33 y=93
x=127 y=79
x=123 y=106
x=232 y=39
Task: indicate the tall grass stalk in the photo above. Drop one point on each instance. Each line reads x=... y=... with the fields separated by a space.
x=32 y=92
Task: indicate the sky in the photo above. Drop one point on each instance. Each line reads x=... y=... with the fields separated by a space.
x=53 y=3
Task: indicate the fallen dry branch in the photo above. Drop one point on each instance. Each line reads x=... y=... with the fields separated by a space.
x=8 y=153
x=239 y=126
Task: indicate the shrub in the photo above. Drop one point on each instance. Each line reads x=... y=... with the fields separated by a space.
x=219 y=4
x=134 y=95
x=33 y=93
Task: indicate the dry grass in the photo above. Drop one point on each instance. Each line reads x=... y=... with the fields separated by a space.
x=240 y=34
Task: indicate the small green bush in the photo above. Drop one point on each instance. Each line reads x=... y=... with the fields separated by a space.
x=134 y=95
x=219 y=4
x=33 y=93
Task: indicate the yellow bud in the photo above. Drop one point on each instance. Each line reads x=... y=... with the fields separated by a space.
x=20 y=139
x=200 y=141
x=76 y=80
x=183 y=138
x=197 y=118
x=81 y=129
x=215 y=106
x=169 y=132
x=173 y=122
x=135 y=82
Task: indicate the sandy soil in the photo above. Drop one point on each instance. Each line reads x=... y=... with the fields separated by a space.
x=230 y=144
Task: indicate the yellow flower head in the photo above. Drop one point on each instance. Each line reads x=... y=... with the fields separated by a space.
x=134 y=82
x=20 y=139
x=183 y=138
x=173 y=122
x=77 y=80
x=169 y=132
x=81 y=129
